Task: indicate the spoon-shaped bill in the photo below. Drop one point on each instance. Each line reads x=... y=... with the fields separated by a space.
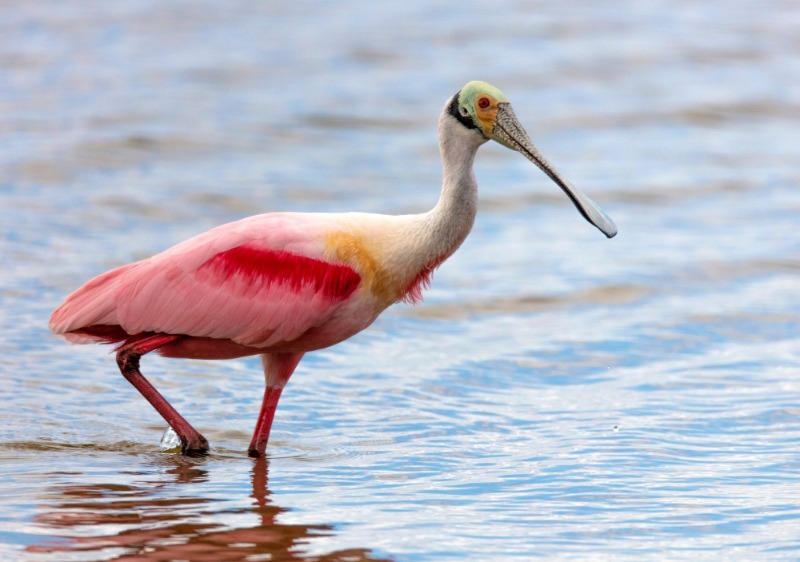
x=508 y=132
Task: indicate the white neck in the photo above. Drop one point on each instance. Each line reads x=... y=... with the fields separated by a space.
x=416 y=244
x=450 y=221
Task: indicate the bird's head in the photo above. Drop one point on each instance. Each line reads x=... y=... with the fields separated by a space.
x=484 y=108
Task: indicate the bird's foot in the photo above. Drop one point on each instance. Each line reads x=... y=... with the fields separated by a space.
x=254 y=454
x=257 y=449
x=191 y=445
x=196 y=446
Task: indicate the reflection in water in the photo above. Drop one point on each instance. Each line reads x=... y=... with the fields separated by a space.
x=141 y=525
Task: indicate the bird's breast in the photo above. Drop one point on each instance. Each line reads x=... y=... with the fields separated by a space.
x=350 y=249
x=385 y=283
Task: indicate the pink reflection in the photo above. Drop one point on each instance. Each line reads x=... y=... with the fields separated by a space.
x=158 y=528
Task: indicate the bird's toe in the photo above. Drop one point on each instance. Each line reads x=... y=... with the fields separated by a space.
x=196 y=447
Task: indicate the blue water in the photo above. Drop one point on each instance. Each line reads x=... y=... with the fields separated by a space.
x=557 y=396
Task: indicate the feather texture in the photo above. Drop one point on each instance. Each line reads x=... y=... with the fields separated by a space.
x=237 y=282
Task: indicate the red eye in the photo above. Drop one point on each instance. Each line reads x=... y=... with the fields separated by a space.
x=483 y=103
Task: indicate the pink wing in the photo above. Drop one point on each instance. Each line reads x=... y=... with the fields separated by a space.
x=256 y=282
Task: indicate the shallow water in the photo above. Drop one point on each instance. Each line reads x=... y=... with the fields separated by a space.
x=558 y=395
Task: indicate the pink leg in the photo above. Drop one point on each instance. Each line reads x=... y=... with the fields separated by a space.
x=128 y=354
x=278 y=367
x=261 y=434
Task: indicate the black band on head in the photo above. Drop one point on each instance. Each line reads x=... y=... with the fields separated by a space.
x=452 y=109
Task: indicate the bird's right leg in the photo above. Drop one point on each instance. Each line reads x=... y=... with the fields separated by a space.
x=128 y=354
x=278 y=367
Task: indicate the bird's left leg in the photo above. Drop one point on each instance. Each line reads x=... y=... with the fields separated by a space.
x=128 y=354
x=278 y=367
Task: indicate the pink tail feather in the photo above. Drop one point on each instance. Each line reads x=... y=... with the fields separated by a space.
x=88 y=315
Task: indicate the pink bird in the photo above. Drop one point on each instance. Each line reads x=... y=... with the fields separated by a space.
x=282 y=284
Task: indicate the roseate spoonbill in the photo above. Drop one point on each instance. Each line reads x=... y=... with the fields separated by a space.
x=282 y=284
